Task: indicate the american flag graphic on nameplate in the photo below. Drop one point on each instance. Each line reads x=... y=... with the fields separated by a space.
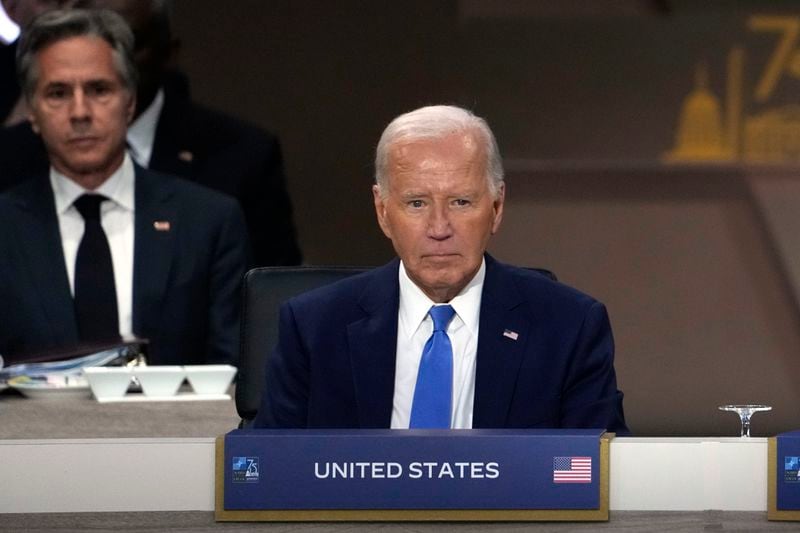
x=572 y=469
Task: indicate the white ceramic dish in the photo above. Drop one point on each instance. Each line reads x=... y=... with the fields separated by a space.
x=108 y=381
x=210 y=379
x=160 y=380
x=50 y=390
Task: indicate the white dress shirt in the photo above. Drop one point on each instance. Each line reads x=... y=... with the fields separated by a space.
x=142 y=131
x=117 y=219
x=415 y=326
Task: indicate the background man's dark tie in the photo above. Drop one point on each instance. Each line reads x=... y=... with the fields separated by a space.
x=95 y=292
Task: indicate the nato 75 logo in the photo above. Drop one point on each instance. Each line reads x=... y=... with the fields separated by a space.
x=791 y=469
x=245 y=469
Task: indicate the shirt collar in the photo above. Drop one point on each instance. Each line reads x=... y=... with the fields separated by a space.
x=142 y=131
x=415 y=304
x=119 y=187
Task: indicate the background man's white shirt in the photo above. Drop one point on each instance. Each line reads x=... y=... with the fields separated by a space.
x=142 y=132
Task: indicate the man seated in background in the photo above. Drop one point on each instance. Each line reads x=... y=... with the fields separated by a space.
x=171 y=133
x=445 y=336
x=97 y=248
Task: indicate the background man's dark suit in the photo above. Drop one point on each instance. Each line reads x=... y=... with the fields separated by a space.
x=185 y=280
x=9 y=88
x=558 y=372
x=203 y=146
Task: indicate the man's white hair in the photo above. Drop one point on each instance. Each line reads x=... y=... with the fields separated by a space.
x=436 y=122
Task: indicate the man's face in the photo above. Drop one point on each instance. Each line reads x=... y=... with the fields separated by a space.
x=439 y=211
x=81 y=109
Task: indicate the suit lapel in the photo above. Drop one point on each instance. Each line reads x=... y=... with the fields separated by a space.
x=40 y=242
x=156 y=224
x=373 y=347
x=503 y=317
x=172 y=151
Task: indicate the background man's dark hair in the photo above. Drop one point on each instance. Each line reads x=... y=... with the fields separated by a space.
x=57 y=25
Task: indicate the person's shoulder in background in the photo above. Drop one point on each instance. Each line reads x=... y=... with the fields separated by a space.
x=232 y=156
x=22 y=155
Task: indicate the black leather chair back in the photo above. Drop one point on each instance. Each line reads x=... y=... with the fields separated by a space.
x=264 y=291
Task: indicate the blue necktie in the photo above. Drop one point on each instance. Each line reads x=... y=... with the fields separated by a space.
x=434 y=391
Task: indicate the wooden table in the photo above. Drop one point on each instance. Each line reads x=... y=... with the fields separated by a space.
x=85 y=418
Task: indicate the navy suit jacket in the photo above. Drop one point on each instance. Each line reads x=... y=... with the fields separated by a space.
x=334 y=364
x=230 y=156
x=186 y=281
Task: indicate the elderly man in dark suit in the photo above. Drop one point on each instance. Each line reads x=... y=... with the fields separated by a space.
x=445 y=336
x=173 y=134
x=98 y=248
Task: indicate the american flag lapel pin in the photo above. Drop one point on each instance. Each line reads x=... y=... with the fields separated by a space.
x=161 y=225
x=513 y=335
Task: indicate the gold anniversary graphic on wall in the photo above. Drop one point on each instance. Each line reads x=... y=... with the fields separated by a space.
x=707 y=132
